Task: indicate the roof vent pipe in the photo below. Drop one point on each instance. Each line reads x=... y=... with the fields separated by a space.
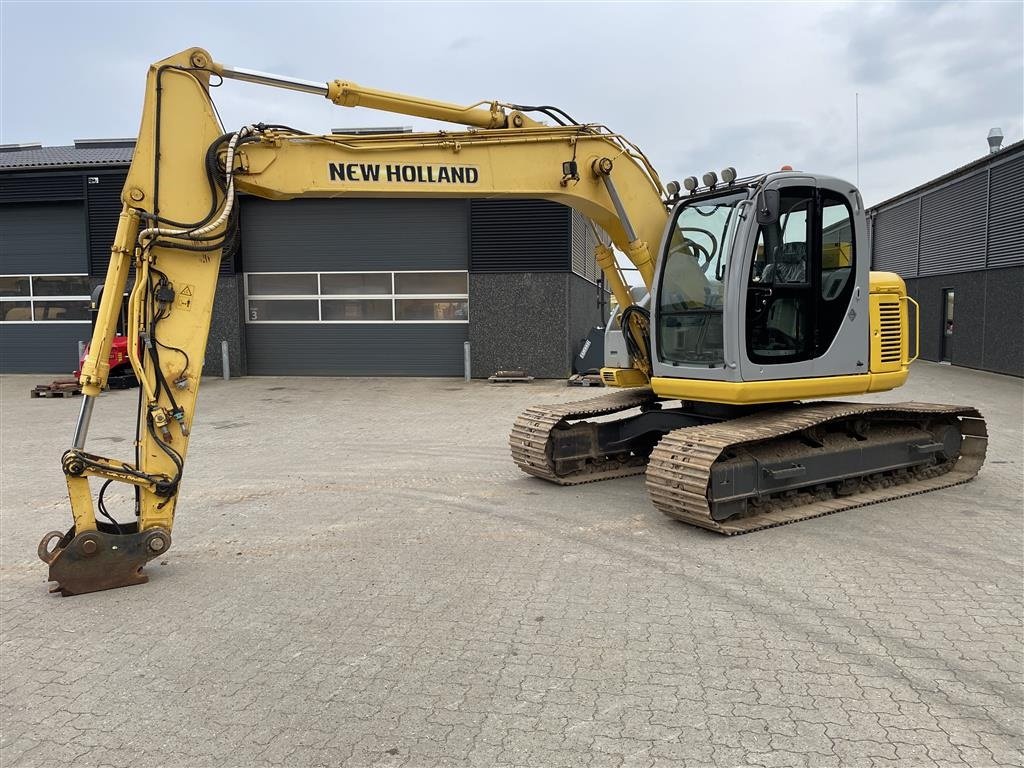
x=995 y=140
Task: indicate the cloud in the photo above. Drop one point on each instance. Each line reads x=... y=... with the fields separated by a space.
x=696 y=85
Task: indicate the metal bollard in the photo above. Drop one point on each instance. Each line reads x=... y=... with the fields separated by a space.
x=225 y=360
x=465 y=358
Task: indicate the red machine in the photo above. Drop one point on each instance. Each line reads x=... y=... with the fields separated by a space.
x=121 y=374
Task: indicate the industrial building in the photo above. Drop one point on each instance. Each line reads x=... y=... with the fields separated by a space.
x=958 y=242
x=319 y=286
x=396 y=287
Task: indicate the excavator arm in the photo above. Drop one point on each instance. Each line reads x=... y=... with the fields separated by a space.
x=179 y=217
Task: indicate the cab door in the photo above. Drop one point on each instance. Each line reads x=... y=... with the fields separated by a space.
x=805 y=287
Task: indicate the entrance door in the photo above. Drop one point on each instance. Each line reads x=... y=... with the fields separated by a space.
x=801 y=277
x=948 y=328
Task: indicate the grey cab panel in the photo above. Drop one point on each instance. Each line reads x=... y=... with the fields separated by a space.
x=753 y=286
x=804 y=287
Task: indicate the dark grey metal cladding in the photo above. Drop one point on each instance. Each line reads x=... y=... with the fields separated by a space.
x=343 y=349
x=583 y=241
x=41 y=347
x=354 y=234
x=103 y=201
x=986 y=318
x=42 y=238
x=520 y=236
x=1004 y=297
x=1006 y=214
x=966 y=346
x=895 y=238
x=953 y=227
x=40 y=187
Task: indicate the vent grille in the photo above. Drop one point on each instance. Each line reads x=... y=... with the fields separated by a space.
x=896 y=239
x=104 y=202
x=519 y=236
x=608 y=377
x=31 y=189
x=1006 y=215
x=890 y=325
x=953 y=227
x=584 y=262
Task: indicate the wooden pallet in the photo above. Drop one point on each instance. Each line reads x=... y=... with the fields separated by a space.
x=62 y=388
x=510 y=377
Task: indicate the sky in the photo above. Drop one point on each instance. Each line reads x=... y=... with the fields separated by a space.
x=698 y=86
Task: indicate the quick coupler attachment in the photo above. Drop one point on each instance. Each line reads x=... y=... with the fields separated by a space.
x=102 y=559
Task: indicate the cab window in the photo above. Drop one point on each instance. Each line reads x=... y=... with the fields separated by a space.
x=693 y=282
x=801 y=277
x=779 y=301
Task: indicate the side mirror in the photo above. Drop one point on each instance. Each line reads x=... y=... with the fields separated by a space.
x=767 y=206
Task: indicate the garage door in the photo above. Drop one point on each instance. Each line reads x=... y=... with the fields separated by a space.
x=355 y=287
x=44 y=289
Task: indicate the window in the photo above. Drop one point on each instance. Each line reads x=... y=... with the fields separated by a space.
x=276 y=310
x=434 y=283
x=376 y=283
x=431 y=309
x=283 y=285
x=44 y=298
x=801 y=277
x=836 y=275
x=358 y=297
x=356 y=309
x=692 y=286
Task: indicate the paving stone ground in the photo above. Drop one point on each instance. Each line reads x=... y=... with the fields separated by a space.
x=361 y=577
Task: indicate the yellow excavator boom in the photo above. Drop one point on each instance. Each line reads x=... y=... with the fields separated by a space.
x=178 y=217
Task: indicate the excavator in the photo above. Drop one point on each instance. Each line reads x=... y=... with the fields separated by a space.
x=757 y=302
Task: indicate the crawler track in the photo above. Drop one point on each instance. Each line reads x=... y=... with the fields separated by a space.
x=680 y=467
x=531 y=433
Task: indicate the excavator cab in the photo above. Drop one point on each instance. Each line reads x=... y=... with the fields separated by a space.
x=746 y=296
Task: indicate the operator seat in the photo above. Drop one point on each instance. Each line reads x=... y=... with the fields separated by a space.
x=788 y=266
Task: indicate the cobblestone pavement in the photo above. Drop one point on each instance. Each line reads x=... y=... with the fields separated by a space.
x=361 y=577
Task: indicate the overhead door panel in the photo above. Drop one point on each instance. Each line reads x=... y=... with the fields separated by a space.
x=41 y=347
x=274 y=349
x=354 y=234
x=42 y=238
x=356 y=287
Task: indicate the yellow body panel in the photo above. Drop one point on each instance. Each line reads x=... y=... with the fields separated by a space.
x=888 y=369
x=623 y=377
x=888 y=332
x=889 y=325
x=887 y=282
x=783 y=390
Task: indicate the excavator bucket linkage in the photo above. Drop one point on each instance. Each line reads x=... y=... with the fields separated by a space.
x=102 y=559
